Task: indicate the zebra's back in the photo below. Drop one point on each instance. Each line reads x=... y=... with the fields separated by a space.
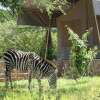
x=16 y=59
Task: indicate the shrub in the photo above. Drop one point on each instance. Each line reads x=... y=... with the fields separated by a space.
x=81 y=54
x=26 y=38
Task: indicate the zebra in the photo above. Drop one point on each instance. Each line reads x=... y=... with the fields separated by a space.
x=36 y=65
x=15 y=59
x=43 y=68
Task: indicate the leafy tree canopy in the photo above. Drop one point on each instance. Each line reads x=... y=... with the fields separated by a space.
x=49 y=5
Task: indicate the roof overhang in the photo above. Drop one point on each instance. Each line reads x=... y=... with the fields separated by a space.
x=36 y=17
x=31 y=15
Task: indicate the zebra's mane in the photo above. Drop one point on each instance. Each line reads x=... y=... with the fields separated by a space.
x=48 y=61
x=19 y=51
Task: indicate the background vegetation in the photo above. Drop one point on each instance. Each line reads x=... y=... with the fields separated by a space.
x=29 y=38
x=26 y=38
x=81 y=54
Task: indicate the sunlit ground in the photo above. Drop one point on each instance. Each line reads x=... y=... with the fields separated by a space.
x=87 y=88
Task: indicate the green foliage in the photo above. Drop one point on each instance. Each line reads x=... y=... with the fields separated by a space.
x=2 y=17
x=85 y=88
x=49 y=5
x=41 y=4
x=5 y=16
x=13 y=5
x=51 y=51
x=26 y=38
x=23 y=38
x=81 y=54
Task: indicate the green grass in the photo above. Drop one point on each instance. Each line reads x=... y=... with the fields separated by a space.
x=87 y=88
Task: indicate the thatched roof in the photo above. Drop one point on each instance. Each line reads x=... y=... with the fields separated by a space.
x=31 y=15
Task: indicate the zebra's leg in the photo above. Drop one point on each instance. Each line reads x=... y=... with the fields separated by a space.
x=53 y=80
x=6 y=79
x=40 y=88
x=8 y=76
x=39 y=83
x=30 y=79
x=10 y=79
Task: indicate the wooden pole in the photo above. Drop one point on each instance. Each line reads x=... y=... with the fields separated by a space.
x=47 y=38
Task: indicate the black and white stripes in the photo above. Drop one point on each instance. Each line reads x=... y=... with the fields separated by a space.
x=43 y=68
x=36 y=65
x=15 y=59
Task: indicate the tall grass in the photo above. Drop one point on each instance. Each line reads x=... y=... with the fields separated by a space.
x=67 y=89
